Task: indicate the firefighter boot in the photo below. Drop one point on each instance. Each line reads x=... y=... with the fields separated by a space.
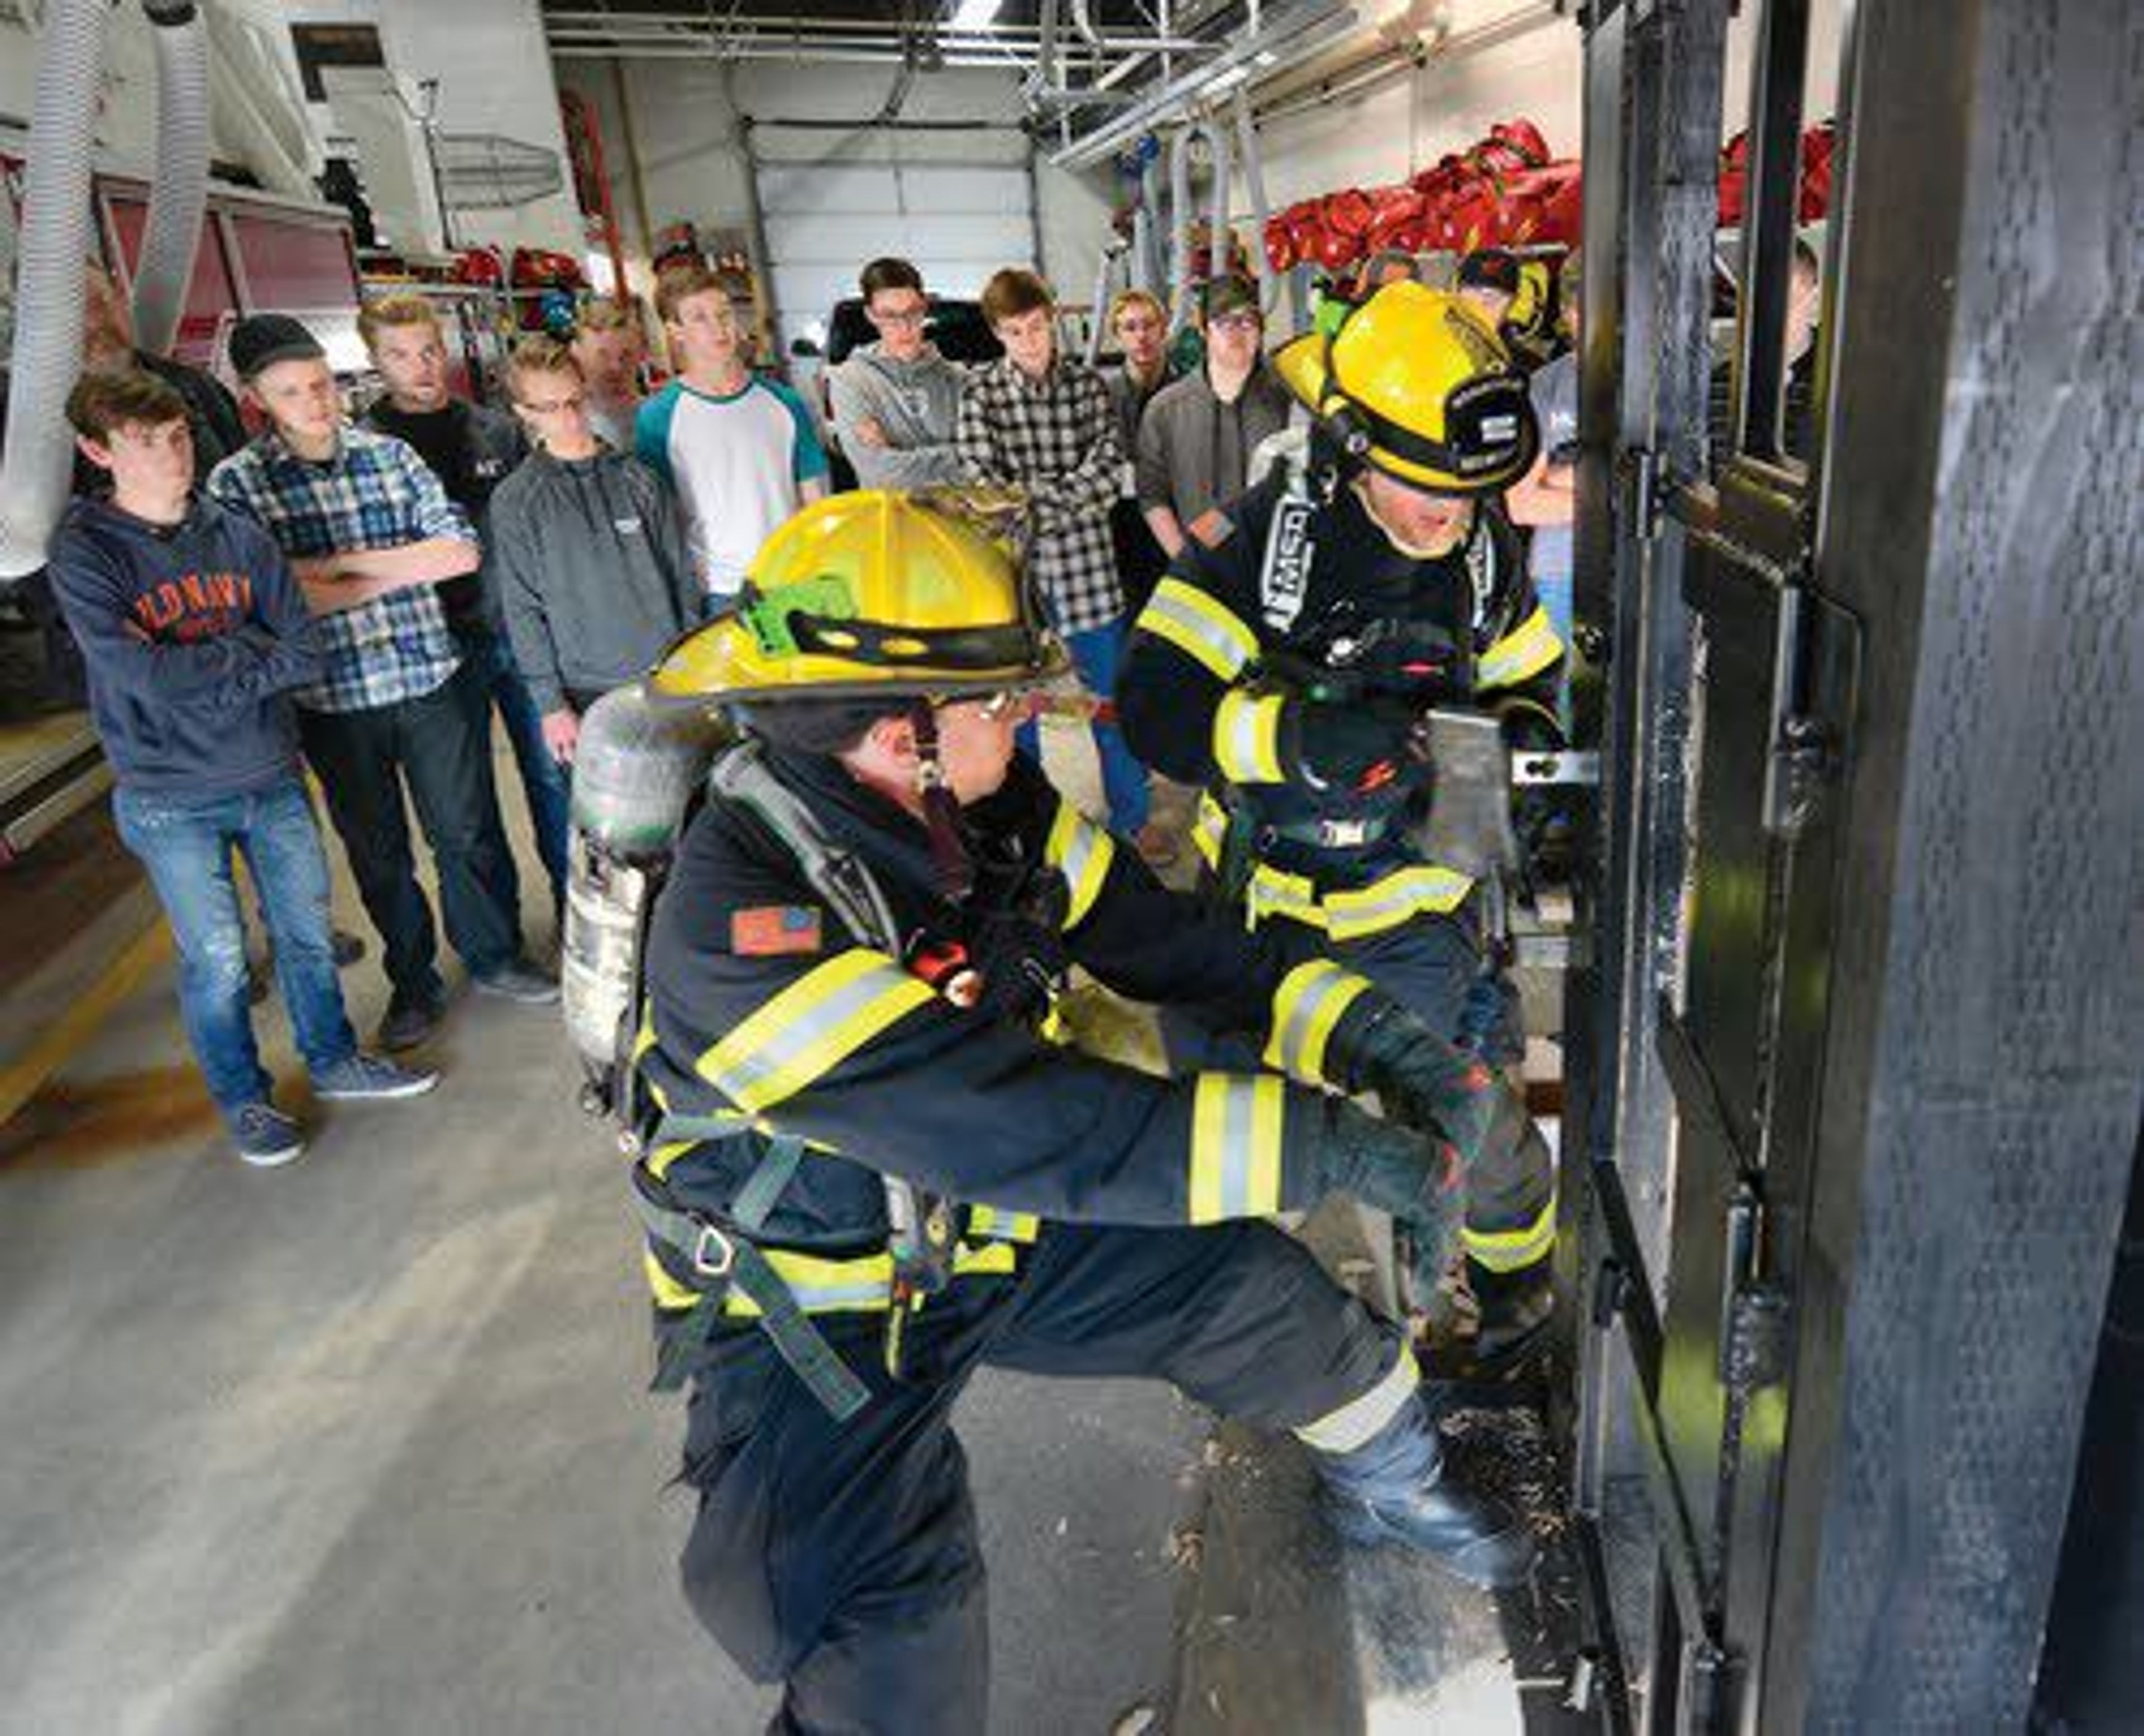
x=1395 y=1488
x=1514 y=1311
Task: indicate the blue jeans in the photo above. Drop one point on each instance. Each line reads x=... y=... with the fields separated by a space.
x=1095 y=654
x=187 y=846
x=543 y=779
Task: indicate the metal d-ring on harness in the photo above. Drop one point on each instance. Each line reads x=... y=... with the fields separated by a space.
x=920 y=1238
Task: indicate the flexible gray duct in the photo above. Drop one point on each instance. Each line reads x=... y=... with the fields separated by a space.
x=179 y=193
x=56 y=236
x=1179 y=219
x=1218 y=237
x=1102 y=272
x=1142 y=247
x=1254 y=186
x=1153 y=268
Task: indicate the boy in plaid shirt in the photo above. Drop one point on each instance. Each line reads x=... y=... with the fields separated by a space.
x=1044 y=423
x=369 y=531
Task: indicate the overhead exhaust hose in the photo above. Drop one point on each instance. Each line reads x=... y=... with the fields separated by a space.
x=1180 y=214
x=1254 y=187
x=180 y=194
x=55 y=238
x=1154 y=268
x=1102 y=274
x=1219 y=234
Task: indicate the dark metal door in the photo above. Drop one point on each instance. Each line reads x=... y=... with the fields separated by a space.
x=1856 y=1078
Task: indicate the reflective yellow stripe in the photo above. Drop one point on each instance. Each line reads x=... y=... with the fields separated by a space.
x=1247 y=737
x=1306 y=1007
x=829 y=1287
x=669 y=1293
x=1235 y=1146
x=1275 y=892
x=1358 y=1422
x=644 y=1038
x=1201 y=626
x=1527 y=649
x=1388 y=902
x=1082 y=851
x=1510 y=1250
x=1003 y=1226
x=811 y=1027
x=1210 y=830
x=861 y=1285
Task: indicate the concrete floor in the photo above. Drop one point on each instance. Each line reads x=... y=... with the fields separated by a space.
x=363 y=1444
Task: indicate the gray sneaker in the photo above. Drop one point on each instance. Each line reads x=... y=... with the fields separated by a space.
x=361 y=1077
x=264 y=1137
x=520 y=982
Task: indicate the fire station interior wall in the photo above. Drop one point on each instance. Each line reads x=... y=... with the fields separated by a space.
x=489 y=56
x=493 y=69
x=961 y=206
x=252 y=92
x=1389 y=132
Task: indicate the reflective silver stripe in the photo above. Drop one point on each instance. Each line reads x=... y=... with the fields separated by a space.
x=811 y=1027
x=1306 y=1007
x=1247 y=737
x=1203 y=629
x=1359 y=1421
x=1526 y=650
x=1235 y=1124
x=1393 y=899
x=1082 y=851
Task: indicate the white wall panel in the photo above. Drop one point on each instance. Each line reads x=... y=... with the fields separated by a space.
x=1001 y=238
x=830 y=191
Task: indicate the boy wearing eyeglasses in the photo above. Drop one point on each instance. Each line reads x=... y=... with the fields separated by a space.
x=1196 y=436
x=896 y=402
x=594 y=569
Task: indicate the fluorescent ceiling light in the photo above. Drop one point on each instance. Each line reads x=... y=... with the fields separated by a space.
x=1227 y=81
x=973 y=15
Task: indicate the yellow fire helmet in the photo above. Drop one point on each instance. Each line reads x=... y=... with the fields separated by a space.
x=870 y=592
x=1414 y=382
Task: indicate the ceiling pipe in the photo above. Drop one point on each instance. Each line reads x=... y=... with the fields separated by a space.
x=1358 y=74
x=1304 y=28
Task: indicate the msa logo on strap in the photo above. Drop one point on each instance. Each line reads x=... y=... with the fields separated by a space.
x=1286 y=574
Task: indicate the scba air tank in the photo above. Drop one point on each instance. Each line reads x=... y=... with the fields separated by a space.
x=636 y=768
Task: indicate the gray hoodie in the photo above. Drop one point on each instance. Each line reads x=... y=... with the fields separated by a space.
x=915 y=403
x=592 y=571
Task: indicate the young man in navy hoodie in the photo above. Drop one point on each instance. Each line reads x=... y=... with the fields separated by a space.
x=193 y=633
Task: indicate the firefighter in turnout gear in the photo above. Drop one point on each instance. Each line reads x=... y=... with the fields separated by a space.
x=1287 y=666
x=866 y=1167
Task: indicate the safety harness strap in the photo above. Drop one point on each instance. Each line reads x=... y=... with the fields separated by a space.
x=732 y=1262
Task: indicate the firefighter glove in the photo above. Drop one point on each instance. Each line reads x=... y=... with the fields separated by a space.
x=1359 y=746
x=1422 y=1081
x=1410 y=1176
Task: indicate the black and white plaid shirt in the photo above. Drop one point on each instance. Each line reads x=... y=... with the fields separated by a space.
x=1057 y=438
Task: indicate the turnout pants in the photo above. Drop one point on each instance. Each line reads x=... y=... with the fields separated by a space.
x=841 y=1558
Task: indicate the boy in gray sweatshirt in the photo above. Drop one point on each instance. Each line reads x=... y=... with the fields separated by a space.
x=895 y=402
x=590 y=548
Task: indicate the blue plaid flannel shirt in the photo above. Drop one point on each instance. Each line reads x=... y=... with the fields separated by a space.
x=376 y=492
